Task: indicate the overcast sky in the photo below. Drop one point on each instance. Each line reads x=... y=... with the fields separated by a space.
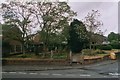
x=108 y=11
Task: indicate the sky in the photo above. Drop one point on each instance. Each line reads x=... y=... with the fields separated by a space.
x=108 y=11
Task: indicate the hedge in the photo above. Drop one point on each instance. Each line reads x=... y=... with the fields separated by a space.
x=115 y=46
x=104 y=47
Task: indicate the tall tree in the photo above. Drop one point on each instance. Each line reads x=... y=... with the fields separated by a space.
x=92 y=24
x=113 y=37
x=77 y=36
x=51 y=17
x=9 y=32
x=17 y=14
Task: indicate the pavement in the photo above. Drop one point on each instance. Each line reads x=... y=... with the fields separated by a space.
x=51 y=67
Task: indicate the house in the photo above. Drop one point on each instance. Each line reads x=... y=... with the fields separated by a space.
x=99 y=39
x=11 y=39
x=16 y=46
x=34 y=44
x=106 y=42
x=11 y=47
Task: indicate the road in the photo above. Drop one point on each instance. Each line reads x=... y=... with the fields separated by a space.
x=107 y=70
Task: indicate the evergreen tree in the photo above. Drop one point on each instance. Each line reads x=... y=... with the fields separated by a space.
x=77 y=36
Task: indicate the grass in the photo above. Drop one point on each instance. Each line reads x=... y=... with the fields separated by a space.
x=40 y=56
x=25 y=56
x=61 y=55
x=89 y=52
x=102 y=54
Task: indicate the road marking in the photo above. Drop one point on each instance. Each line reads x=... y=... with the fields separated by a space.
x=114 y=74
x=32 y=73
x=4 y=72
x=22 y=73
x=57 y=74
x=44 y=73
x=81 y=70
x=104 y=76
x=12 y=72
x=85 y=75
x=70 y=75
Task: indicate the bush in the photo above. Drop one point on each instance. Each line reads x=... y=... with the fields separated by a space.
x=93 y=52
x=24 y=56
x=88 y=52
x=115 y=45
x=60 y=56
x=105 y=47
x=100 y=52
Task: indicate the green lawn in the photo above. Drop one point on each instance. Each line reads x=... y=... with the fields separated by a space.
x=61 y=55
x=40 y=56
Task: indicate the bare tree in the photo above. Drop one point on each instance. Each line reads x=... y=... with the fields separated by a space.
x=51 y=17
x=92 y=24
x=18 y=14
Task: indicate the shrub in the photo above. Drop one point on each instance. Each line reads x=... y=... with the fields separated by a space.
x=93 y=52
x=60 y=56
x=23 y=56
x=115 y=45
x=105 y=47
x=100 y=52
x=88 y=52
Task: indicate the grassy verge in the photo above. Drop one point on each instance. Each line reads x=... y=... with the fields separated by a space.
x=40 y=56
x=94 y=53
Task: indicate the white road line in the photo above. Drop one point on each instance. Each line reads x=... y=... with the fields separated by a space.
x=22 y=73
x=70 y=75
x=114 y=74
x=57 y=74
x=12 y=72
x=81 y=70
x=104 y=76
x=4 y=72
x=33 y=73
x=44 y=73
x=85 y=75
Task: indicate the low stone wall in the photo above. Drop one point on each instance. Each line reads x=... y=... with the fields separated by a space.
x=27 y=61
x=94 y=60
x=35 y=62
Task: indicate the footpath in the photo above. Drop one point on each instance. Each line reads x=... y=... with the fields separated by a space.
x=8 y=68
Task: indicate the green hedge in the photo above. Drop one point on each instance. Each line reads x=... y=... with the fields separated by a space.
x=92 y=52
x=88 y=52
x=115 y=46
x=104 y=47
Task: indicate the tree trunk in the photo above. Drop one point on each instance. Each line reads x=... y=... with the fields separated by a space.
x=90 y=45
x=90 y=42
x=23 y=44
x=23 y=48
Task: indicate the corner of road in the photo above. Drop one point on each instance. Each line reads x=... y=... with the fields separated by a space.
x=8 y=68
